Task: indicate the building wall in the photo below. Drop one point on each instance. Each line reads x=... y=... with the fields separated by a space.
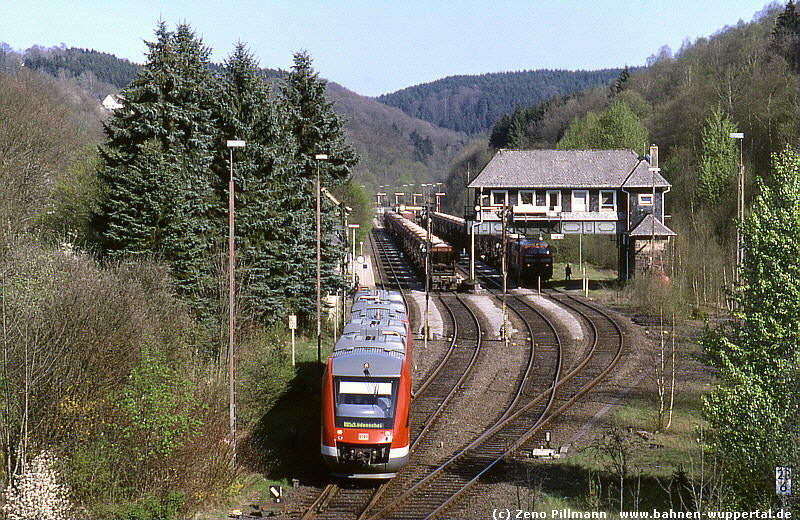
x=641 y=256
x=638 y=211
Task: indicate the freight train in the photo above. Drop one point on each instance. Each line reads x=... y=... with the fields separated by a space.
x=413 y=240
x=527 y=258
x=366 y=391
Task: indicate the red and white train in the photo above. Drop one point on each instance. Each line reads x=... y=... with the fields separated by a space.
x=366 y=390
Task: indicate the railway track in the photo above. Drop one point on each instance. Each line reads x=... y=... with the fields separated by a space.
x=344 y=501
x=441 y=488
x=424 y=489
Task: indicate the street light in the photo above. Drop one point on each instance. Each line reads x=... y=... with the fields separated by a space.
x=504 y=264
x=231 y=291
x=353 y=257
x=739 y=205
x=319 y=157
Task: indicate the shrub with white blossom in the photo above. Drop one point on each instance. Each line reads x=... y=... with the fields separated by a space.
x=38 y=494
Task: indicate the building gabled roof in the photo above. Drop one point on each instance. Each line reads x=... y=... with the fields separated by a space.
x=642 y=177
x=566 y=169
x=646 y=229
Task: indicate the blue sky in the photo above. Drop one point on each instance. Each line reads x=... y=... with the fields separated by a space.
x=375 y=47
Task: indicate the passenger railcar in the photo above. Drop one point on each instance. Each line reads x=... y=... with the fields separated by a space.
x=366 y=395
x=413 y=240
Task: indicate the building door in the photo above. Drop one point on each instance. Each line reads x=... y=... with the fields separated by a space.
x=554 y=200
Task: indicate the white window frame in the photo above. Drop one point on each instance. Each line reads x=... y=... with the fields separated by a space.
x=497 y=192
x=643 y=196
x=603 y=207
x=586 y=200
x=533 y=197
x=553 y=207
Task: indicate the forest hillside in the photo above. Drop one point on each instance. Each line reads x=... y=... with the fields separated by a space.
x=473 y=103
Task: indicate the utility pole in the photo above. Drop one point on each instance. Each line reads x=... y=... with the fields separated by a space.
x=739 y=206
x=427 y=269
x=653 y=172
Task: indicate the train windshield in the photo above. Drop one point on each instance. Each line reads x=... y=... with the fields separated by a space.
x=365 y=403
x=537 y=250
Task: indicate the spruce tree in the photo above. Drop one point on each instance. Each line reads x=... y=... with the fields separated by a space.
x=156 y=166
x=317 y=129
x=265 y=184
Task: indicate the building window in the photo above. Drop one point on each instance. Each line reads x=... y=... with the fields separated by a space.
x=499 y=197
x=580 y=200
x=527 y=197
x=554 y=200
x=484 y=200
x=608 y=200
x=645 y=199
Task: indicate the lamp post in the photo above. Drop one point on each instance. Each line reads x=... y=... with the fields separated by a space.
x=739 y=205
x=353 y=257
x=231 y=292
x=319 y=157
x=505 y=273
x=427 y=272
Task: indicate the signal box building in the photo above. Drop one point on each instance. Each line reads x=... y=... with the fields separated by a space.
x=591 y=192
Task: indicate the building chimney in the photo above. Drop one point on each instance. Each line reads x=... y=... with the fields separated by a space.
x=653 y=156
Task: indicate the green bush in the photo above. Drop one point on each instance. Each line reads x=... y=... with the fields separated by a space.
x=654 y=294
x=265 y=371
x=90 y=472
x=153 y=508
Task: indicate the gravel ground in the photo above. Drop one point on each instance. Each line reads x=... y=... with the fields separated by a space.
x=492 y=312
x=556 y=311
x=435 y=323
x=482 y=399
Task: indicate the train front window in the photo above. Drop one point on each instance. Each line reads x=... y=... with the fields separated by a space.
x=365 y=403
x=533 y=253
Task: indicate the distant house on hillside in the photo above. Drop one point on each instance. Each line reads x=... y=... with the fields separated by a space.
x=605 y=192
x=112 y=102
